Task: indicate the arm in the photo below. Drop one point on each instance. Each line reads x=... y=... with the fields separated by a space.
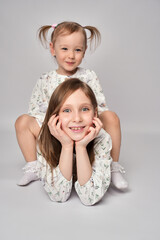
x=84 y=168
x=58 y=183
x=94 y=83
x=39 y=100
x=93 y=190
x=55 y=184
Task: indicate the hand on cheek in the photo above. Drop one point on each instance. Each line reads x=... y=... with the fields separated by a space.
x=92 y=133
x=55 y=128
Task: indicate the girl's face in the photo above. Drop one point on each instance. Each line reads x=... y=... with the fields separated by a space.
x=69 y=51
x=76 y=115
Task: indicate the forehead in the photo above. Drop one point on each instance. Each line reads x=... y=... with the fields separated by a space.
x=77 y=98
x=73 y=38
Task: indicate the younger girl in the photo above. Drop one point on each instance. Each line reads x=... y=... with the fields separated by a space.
x=71 y=126
x=68 y=44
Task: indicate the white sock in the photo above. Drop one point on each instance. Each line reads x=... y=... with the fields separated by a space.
x=117 y=178
x=30 y=173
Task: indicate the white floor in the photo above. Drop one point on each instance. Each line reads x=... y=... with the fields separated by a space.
x=26 y=213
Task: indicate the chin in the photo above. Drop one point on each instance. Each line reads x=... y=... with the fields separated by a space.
x=77 y=138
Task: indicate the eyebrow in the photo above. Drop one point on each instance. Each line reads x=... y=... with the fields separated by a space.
x=65 y=45
x=70 y=105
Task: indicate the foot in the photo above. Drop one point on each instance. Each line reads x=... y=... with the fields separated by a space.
x=117 y=178
x=30 y=174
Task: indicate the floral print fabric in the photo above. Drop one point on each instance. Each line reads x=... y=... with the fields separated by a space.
x=47 y=84
x=59 y=188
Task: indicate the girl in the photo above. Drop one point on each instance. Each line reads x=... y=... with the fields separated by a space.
x=68 y=43
x=71 y=126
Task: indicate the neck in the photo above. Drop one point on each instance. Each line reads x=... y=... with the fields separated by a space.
x=67 y=73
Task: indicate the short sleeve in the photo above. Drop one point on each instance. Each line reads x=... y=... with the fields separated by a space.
x=39 y=101
x=97 y=89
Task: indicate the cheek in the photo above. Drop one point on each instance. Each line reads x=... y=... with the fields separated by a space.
x=64 y=120
x=89 y=120
x=80 y=57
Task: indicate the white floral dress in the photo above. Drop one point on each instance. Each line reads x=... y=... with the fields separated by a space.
x=59 y=188
x=49 y=81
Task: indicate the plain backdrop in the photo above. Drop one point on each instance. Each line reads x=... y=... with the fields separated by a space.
x=127 y=64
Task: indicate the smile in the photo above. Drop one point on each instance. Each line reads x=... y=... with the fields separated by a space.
x=77 y=129
x=70 y=63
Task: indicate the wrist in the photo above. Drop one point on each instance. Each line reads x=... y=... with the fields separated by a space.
x=79 y=146
x=67 y=146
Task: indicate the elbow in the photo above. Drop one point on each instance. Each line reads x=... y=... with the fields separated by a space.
x=57 y=194
x=90 y=202
x=59 y=199
x=92 y=199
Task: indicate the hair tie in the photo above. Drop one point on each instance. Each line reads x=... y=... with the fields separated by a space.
x=54 y=25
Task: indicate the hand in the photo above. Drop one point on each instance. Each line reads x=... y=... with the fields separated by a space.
x=92 y=133
x=56 y=131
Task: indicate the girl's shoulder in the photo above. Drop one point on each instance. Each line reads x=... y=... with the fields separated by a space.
x=48 y=75
x=85 y=72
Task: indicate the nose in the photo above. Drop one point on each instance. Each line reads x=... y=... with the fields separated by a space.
x=71 y=54
x=77 y=117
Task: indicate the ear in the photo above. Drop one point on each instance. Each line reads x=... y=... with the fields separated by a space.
x=52 y=49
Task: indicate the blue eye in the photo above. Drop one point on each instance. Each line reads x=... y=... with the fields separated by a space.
x=64 y=49
x=66 y=110
x=78 y=50
x=85 y=109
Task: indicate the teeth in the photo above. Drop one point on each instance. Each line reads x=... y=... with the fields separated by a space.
x=76 y=128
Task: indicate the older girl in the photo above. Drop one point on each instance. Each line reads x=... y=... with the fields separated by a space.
x=73 y=147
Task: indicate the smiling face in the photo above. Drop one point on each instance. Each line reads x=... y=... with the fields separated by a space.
x=69 y=50
x=76 y=115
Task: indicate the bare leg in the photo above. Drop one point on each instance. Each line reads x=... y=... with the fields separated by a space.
x=27 y=130
x=111 y=124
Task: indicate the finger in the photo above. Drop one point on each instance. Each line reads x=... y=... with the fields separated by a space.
x=52 y=125
x=51 y=119
x=98 y=121
x=92 y=132
x=98 y=126
x=58 y=127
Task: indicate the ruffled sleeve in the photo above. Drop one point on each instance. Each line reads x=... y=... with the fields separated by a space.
x=55 y=184
x=94 y=83
x=96 y=187
x=39 y=100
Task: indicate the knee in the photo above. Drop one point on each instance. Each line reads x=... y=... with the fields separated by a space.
x=115 y=119
x=21 y=122
x=112 y=119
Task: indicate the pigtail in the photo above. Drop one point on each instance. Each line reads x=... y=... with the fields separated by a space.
x=68 y=27
x=42 y=34
x=94 y=36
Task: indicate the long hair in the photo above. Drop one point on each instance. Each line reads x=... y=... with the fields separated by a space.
x=49 y=146
x=69 y=28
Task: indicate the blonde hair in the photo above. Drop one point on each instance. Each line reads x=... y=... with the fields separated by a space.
x=69 y=28
x=49 y=146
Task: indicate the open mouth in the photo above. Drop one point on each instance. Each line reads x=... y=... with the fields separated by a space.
x=77 y=129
